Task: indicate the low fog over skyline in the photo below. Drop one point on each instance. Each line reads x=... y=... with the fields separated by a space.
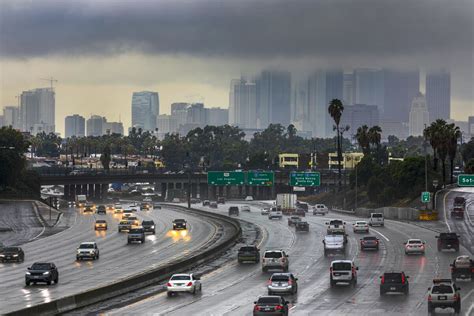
x=190 y=50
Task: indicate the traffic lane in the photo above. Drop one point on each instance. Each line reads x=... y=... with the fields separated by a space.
x=21 y=218
x=118 y=260
x=465 y=226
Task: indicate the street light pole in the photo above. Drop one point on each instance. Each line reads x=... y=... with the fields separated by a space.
x=426 y=171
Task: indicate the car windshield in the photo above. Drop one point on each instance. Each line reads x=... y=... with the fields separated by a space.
x=86 y=246
x=361 y=223
x=132 y=218
x=40 y=266
x=179 y=221
x=377 y=215
x=180 y=278
x=393 y=277
x=449 y=236
x=370 y=238
x=273 y=254
x=10 y=249
x=442 y=289
x=336 y=222
x=247 y=249
x=268 y=300
x=136 y=231
x=123 y=223
x=411 y=242
x=280 y=278
x=100 y=221
x=147 y=223
x=338 y=266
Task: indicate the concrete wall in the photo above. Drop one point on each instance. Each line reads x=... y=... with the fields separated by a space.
x=405 y=213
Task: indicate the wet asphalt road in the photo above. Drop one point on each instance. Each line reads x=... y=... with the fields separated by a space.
x=117 y=259
x=231 y=289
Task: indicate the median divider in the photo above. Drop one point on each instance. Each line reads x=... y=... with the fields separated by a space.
x=146 y=278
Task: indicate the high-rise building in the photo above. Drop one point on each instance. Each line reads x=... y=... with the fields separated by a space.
x=145 y=109
x=300 y=110
x=438 y=95
x=400 y=87
x=196 y=114
x=110 y=128
x=11 y=116
x=470 y=126
x=179 y=111
x=357 y=115
x=419 y=117
x=348 y=89
x=37 y=109
x=273 y=89
x=243 y=103
x=368 y=87
x=317 y=107
x=95 y=125
x=167 y=124
x=217 y=116
x=2 y=121
x=75 y=125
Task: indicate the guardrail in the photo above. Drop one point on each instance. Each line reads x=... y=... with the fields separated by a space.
x=71 y=302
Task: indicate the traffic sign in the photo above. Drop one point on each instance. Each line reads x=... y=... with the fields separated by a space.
x=305 y=179
x=425 y=197
x=225 y=178
x=262 y=178
x=466 y=180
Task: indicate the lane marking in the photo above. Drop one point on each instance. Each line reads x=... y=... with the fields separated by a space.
x=35 y=207
x=380 y=234
x=444 y=210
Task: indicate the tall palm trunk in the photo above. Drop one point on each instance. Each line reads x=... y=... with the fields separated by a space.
x=339 y=157
x=443 y=163
x=451 y=169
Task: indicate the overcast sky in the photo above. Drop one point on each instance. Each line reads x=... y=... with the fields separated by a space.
x=102 y=51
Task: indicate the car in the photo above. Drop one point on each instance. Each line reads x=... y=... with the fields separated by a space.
x=265 y=211
x=179 y=224
x=221 y=200
x=136 y=234
x=101 y=210
x=10 y=254
x=175 y=200
x=414 y=246
x=148 y=226
x=133 y=220
x=248 y=253
x=394 y=282
x=270 y=305
x=145 y=206
x=118 y=209
x=320 y=209
x=233 y=210
x=206 y=203
x=156 y=206
x=282 y=283
x=448 y=241
x=275 y=259
x=110 y=207
x=302 y=226
x=127 y=213
x=444 y=294
x=124 y=226
x=334 y=244
x=183 y=283
x=45 y=272
x=87 y=250
x=148 y=200
x=336 y=225
x=302 y=205
x=249 y=198
x=213 y=204
x=245 y=208
x=369 y=242
x=361 y=226
x=293 y=219
x=376 y=219
x=100 y=224
x=462 y=268
x=88 y=209
x=343 y=271
x=300 y=212
x=275 y=213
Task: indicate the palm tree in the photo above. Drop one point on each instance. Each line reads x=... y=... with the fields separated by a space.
x=434 y=134
x=363 y=139
x=453 y=134
x=335 y=109
x=375 y=136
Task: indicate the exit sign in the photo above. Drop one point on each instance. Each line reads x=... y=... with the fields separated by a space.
x=425 y=197
x=466 y=180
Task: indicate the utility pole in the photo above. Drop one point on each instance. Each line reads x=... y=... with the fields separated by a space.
x=356 y=188
x=51 y=81
x=426 y=169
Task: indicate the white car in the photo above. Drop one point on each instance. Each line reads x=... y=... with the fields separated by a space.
x=265 y=211
x=320 y=209
x=87 y=250
x=249 y=198
x=376 y=219
x=245 y=208
x=361 y=226
x=275 y=213
x=415 y=246
x=343 y=271
x=183 y=283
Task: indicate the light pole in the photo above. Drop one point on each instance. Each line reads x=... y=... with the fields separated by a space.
x=356 y=188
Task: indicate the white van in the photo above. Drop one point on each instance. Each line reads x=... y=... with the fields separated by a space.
x=376 y=219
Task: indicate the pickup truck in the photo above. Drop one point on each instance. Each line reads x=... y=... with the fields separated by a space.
x=462 y=268
x=248 y=253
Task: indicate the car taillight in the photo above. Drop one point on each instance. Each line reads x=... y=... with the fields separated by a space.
x=330 y=269
x=429 y=298
x=189 y=284
x=452 y=269
x=376 y=241
x=279 y=307
x=403 y=279
x=168 y=284
x=455 y=297
x=269 y=282
x=256 y=308
x=472 y=270
x=290 y=282
x=383 y=279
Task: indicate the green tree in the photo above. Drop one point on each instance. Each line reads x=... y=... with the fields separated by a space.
x=467 y=151
x=453 y=134
x=375 y=188
x=106 y=157
x=363 y=139
x=335 y=110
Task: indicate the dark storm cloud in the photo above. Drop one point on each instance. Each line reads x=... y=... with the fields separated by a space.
x=239 y=29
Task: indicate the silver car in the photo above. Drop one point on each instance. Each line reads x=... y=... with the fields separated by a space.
x=282 y=283
x=444 y=294
x=414 y=246
x=275 y=259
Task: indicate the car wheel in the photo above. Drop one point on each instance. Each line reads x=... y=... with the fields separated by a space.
x=48 y=282
x=194 y=290
x=457 y=308
x=407 y=290
x=332 y=282
x=78 y=259
x=56 y=280
x=264 y=269
x=170 y=294
x=382 y=293
x=27 y=283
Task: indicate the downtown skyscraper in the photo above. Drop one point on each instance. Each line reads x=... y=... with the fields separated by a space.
x=273 y=94
x=75 y=125
x=438 y=95
x=243 y=103
x=37 y=111
x=145 y=110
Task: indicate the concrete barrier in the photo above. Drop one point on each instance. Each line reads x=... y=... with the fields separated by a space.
x=398 y=213
x=69 y=303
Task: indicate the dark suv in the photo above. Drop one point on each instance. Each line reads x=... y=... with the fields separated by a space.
x=179 y=224
x=394 y=282
x=42 y=272
x=9 y=254
x=149 y=226
x=248 y=253
x=270 y=305
x=448 y=241
x=221 y=200
x=101 y=210
x=233 y=210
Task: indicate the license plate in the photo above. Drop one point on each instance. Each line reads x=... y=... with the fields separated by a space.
x=463 y=275
x=337 y=274
x=442 y=298
x=9 y=257
x=392 y=289
x=449 y=246
x=268 y=309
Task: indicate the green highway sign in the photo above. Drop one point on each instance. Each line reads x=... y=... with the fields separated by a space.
x=262 y=178
x=225 y=178
x=466 y=180
x=425 y=197
x=305 y=179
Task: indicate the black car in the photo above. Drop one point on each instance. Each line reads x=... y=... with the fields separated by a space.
x=149 y=226
x=179 y=224
x=205 y=203
x=101 y=210
x=213 y=204
x=369 y=242
x=221 y=200
x=233 y=210
x=42 y=272
x=270 y=305
x=302 y=226
x=448 y=241
x=248 y=253
x=394 y=282
x=9 y=254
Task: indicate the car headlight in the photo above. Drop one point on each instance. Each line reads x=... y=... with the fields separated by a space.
x=78 y=251
x=15 y=255
x=46 y=273
x=28 y=273
x=2 y=255
x=152 y=226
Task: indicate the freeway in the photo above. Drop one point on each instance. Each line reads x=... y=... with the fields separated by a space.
x=231 y=289
x=117 y=259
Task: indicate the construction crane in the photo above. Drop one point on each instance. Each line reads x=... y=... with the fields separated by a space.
x=51 y=80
